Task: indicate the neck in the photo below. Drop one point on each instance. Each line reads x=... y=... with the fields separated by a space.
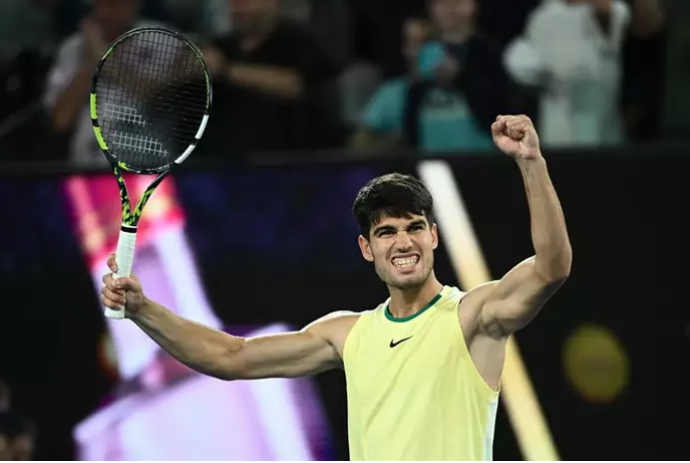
x=407 y=302
x=458 y=35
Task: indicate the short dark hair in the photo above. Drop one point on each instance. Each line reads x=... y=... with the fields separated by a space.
x=392 y=195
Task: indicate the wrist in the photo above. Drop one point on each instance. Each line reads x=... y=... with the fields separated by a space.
x=145 y=311
x=537 y=161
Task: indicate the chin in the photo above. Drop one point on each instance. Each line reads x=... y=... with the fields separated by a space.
x=409 y=282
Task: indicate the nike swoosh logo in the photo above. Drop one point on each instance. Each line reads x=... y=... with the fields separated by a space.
x=393 y=344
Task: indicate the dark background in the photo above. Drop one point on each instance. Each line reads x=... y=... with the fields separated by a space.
x=278 y=243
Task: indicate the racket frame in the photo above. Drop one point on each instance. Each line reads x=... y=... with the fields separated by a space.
x=126 y=243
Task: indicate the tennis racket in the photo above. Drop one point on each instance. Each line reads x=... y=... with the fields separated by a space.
x=150 y=102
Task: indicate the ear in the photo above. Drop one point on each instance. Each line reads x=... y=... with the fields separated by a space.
x=365 y=247
x=434 y=236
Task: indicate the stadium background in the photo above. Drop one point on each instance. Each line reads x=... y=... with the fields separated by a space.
x=273 y=242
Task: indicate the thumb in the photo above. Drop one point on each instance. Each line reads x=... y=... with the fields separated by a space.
x=531 y=138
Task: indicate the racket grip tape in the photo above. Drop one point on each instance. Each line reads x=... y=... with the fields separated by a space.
x=124 y=256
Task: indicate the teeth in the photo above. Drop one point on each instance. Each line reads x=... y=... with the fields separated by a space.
x=407 y=262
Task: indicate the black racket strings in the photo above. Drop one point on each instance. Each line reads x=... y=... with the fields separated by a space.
x=153 y=96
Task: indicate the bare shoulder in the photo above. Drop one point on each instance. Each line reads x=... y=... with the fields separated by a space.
x=335 y=327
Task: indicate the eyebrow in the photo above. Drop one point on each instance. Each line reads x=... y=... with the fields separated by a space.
x=383 y=228
x=417 y=222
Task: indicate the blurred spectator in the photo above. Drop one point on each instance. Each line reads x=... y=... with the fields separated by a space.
x=66 y=96
x=644 y=66
x=382 y=121
x=269 y=78
x=17 y=436
x=376 y=31
x=455 y=90
x=571 y=49
x=70 y=13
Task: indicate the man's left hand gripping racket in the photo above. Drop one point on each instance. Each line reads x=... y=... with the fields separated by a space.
x=150 y=102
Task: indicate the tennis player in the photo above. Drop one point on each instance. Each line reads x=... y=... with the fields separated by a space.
x=423 y=368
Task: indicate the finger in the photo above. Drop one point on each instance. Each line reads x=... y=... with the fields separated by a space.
x=116 y=298
x=112 y=264
x=110 y=282
x=110 y=304
x=125 y=284
x=498 y=127
x=516 y=133
x=516 y=128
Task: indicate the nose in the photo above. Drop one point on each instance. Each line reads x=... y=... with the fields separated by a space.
x=403 y=242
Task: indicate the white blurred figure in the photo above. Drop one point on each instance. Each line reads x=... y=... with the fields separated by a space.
x=66 y=95
x=572 y=49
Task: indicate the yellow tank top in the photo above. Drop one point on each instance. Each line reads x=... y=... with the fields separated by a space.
x=413 y=391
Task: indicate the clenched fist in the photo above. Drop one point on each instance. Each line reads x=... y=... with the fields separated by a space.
x=119 y=292
x=516 y=137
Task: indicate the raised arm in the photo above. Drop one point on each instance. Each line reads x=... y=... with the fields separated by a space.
x=520 y=294
x=219 y=354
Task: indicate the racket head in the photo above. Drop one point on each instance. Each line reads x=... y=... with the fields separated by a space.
x=151 y=97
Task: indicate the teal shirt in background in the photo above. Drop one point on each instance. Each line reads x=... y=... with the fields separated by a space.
x=446 y=122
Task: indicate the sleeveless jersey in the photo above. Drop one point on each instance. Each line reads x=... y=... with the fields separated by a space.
x=413 y=390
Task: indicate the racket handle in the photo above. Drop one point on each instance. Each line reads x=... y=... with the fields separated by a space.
x=124 y=256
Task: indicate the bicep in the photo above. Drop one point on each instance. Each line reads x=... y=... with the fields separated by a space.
x=516 y=299
x=284 y=355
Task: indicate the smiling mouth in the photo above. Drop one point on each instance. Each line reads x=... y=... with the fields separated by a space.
x=405 y=261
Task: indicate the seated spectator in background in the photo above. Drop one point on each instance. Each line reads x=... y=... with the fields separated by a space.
x=67 y=93
x=571 y=49
x=382 y=121
x=456 y=91
x=268 y=75
x=17 y=436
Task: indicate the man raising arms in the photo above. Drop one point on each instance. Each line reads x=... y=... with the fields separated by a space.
x=423 y=368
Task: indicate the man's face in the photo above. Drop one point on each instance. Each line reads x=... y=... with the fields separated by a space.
x=402 y=250
x=248 y=15
x=449 y=15
x=115 y=17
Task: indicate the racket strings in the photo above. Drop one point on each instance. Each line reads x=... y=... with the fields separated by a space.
x=152 y=97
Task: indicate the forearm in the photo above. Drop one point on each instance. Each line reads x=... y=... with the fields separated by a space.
x=285 y=83
x=203 y=349
x=71 y=101
x=549 y=233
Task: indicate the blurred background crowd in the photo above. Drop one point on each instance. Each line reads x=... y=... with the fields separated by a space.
x=307 y=76
x=312 y=75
